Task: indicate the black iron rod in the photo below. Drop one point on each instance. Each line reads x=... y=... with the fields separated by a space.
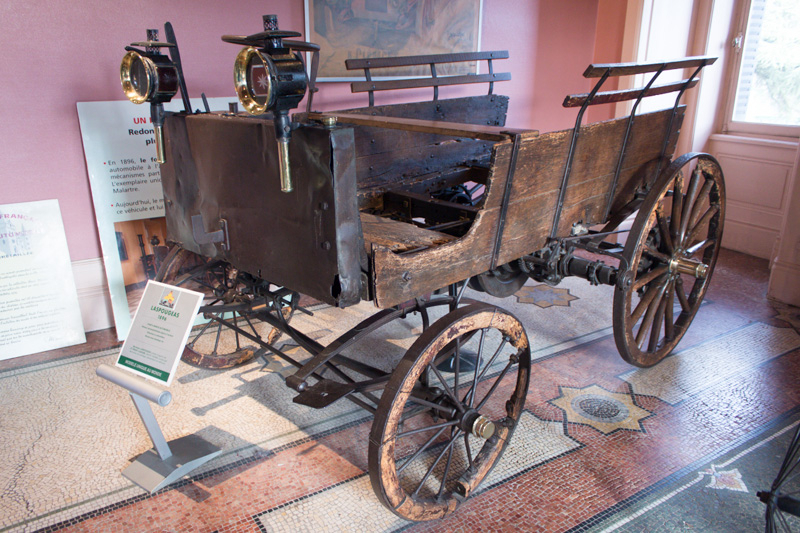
x=512 y=165
x=176 y=58
x=624 y=147
x=562 y=192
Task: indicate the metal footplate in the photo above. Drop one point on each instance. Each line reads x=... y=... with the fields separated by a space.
x=323 y=393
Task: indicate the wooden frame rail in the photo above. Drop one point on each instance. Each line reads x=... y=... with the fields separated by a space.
x=471 y=131
x=434 y=80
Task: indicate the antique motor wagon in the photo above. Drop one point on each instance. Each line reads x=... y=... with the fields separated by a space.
x=405 y=206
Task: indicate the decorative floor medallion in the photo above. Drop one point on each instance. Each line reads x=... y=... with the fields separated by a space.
x=724 y=480
x=603 y=410
x=544 y=296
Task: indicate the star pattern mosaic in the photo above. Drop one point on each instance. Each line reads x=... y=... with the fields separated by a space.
x=544 y=296
x=605 y=411
x=788 y=313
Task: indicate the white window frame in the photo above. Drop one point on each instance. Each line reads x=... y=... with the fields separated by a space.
x=730 y=126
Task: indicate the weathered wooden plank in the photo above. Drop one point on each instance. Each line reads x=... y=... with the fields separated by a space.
x=608 y=97
x=398 y=236
x=471 y=131
x=626 y=69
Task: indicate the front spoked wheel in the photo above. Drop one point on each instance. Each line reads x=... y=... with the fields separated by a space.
x=671 y=250
x=229 y=295
x=437 y=436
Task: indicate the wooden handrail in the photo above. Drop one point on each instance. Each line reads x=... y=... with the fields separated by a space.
x=577 y=100
x=471 y=131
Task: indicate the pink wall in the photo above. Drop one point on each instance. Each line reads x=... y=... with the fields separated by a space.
x=59 y=52
x=608 y=48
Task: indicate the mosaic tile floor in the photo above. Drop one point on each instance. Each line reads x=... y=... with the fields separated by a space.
x=601 y=446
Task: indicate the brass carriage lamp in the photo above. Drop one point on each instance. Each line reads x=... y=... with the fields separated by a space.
x=270 y=77
x=149 y=76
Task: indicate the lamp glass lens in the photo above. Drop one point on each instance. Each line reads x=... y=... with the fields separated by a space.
x=139 y=80
x=258 y=80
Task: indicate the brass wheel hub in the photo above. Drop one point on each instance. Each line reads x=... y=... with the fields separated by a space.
x=681 y=265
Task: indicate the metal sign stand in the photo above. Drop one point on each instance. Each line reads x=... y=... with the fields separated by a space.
x=167 y=461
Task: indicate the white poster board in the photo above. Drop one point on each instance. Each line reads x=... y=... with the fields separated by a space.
x=159 y=331
x=38 y=301
x=119 y=146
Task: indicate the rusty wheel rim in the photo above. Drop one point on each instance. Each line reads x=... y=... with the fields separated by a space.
x=672 y=250
x=432 y=446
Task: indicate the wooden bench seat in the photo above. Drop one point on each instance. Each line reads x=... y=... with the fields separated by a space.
x=399 y=236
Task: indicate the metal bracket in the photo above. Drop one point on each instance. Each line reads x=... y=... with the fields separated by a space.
x=201 y=237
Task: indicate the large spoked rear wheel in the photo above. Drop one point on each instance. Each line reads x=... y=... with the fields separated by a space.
x=228 y=295
x=671 y=249
x=437 y=436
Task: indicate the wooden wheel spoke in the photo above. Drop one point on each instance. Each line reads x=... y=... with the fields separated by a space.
x=652 y=252
x=677 y=206
x=650 y=276
x=644 y=304
x=712 y=210
x=700 y=246
x=688 y=202
x=682 y=296
x=669 y=318
x=699 y=203
x=655 y=331
x=651 y=312
x=663 y=228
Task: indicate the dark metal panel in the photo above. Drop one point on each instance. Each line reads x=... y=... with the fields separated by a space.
x=226 y=168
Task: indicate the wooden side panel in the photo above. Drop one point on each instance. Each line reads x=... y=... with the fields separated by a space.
x=540 y=168
x=534 y=193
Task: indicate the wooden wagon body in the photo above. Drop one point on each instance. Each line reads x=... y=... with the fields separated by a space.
x=398 y=204
x=324 y=240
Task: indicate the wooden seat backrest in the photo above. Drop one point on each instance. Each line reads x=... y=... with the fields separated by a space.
x=427 y=77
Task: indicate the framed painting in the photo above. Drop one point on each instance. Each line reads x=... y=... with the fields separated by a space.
x=357 y=29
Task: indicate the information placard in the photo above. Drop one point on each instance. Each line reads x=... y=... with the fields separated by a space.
x=119 y=145
x=38 y=301
x=159 y=331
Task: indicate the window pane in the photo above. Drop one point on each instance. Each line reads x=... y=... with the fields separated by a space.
x=769 y=81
